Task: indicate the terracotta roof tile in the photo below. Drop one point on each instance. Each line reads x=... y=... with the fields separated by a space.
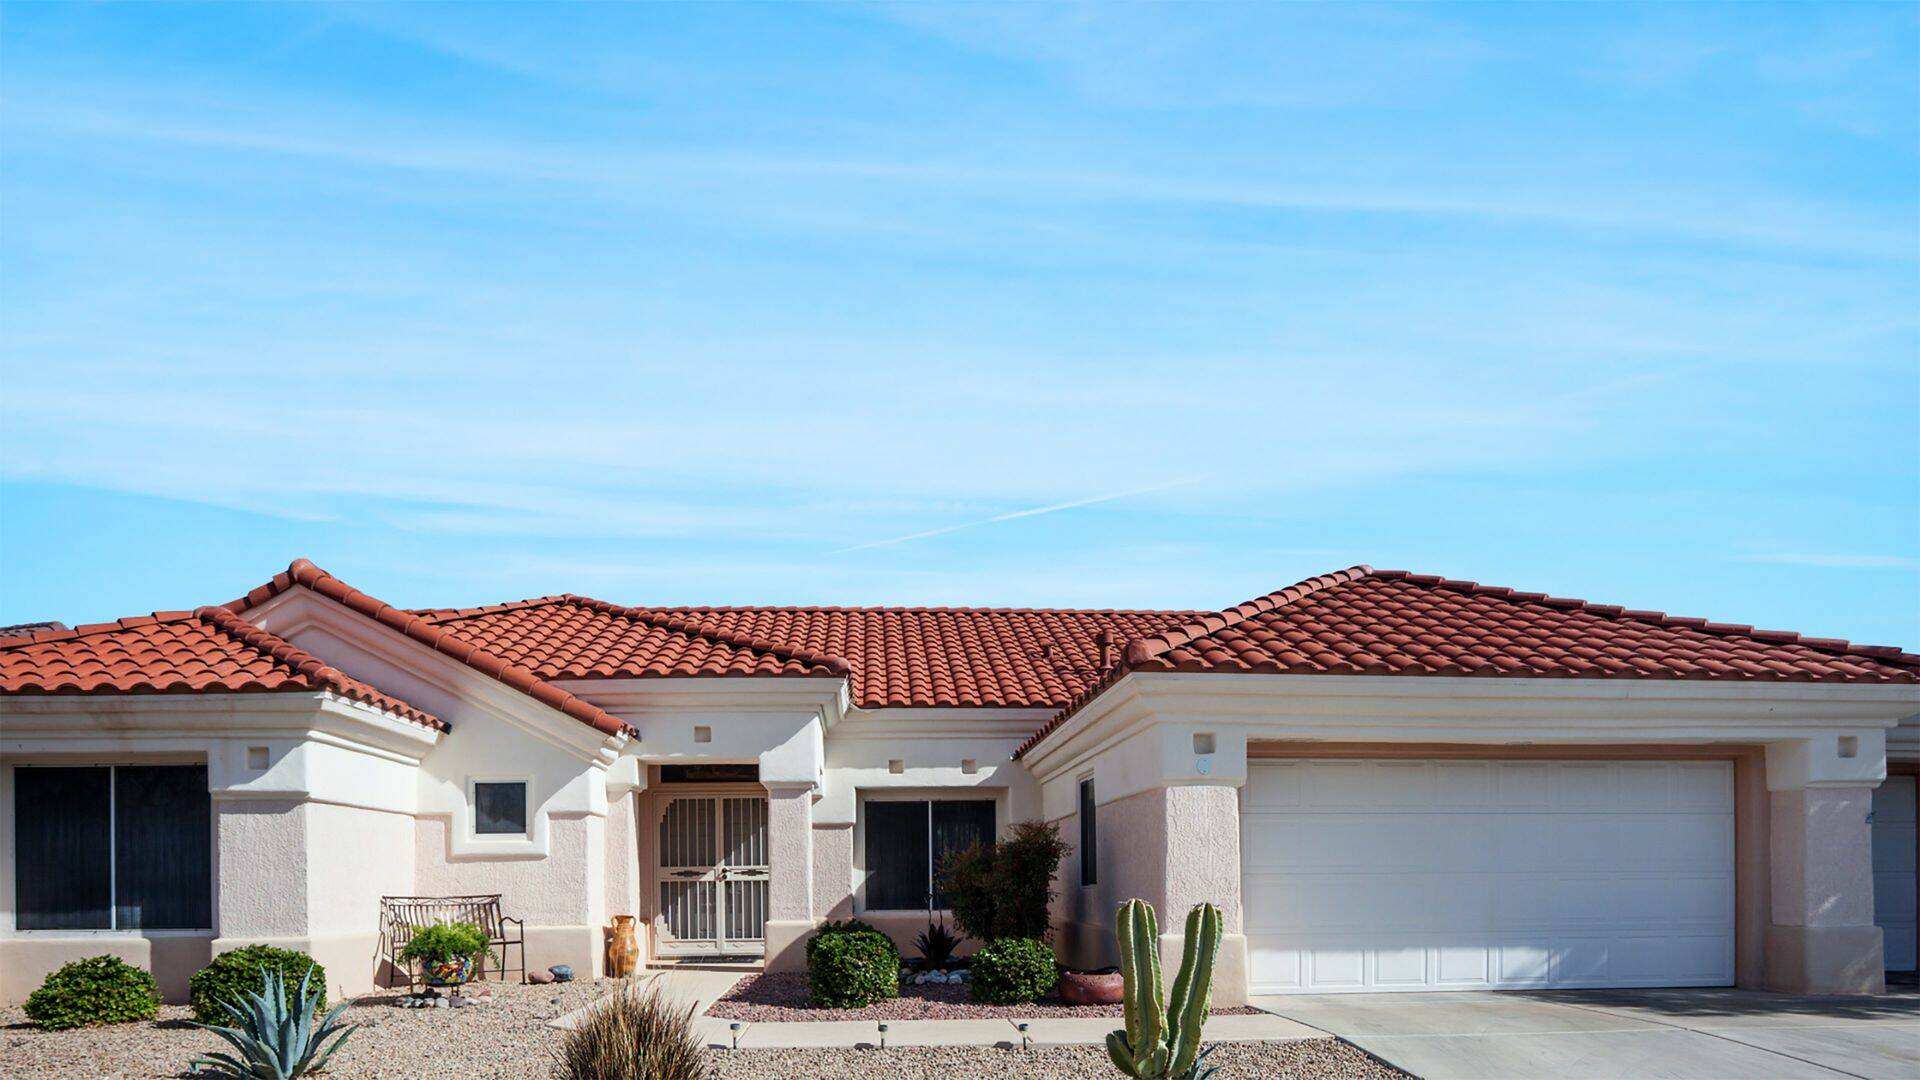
x=896 y=657
x=1362 y=621
x=304 y=574
x=210 y=650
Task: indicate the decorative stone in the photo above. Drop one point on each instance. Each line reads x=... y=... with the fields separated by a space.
x=1104 y=988
x=963 y=975
x=539 y=978
x=441 y=1003
x=562 y=972
x=938 y=977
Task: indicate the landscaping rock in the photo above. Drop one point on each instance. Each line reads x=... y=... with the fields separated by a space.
x=562 y=972
x=539 y=978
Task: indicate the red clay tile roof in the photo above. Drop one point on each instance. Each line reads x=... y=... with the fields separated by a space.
x=304 y=574
x=573 y=637
x=1363 y=621
x=210 y=650
x=897 y=657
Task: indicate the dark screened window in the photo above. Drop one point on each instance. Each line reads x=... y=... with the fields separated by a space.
x=113 y=847
x=906 y=841
x=500 y=807
x=1089 y=837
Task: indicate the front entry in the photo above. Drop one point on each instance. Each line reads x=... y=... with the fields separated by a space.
x=712 y=873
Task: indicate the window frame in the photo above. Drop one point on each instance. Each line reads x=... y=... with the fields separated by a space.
x=473 y=810
x=1089 y=834
x=12 y=927
x=927 y=797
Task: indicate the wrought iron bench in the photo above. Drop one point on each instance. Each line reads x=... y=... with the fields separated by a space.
x=402 y=916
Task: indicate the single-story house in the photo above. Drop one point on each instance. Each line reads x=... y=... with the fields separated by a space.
x=1386 y=781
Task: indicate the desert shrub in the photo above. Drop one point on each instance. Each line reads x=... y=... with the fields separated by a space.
x=936 y=944
x=849 y=926
x=1012 y=971
x=234 y=974
x=852 y=969
x=1003 y=889
x=633 y=1035
x=272 y=1039
x=99 y=990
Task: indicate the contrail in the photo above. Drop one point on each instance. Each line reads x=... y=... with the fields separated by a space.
x=1031 y=512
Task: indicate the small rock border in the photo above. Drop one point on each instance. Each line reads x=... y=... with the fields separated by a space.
x=777 y=997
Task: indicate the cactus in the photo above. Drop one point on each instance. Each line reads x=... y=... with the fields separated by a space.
x=1162 y=1041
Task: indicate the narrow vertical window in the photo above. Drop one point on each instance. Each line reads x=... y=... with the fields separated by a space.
x=1089 y=836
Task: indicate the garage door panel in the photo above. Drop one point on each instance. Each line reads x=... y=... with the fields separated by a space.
x=1894 y=852
x=1509 y=874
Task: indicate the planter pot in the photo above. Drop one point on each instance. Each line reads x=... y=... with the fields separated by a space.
x=455 y=972
x=1078 y=988
x=623 y=954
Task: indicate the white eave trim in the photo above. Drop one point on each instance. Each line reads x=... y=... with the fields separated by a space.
x=1444 y=709
x=51 y=721
x=830 y=698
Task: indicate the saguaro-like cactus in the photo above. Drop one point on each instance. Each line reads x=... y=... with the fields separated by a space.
x=1162 y=1041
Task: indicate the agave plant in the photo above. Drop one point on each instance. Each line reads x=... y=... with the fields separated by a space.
x=275 y=1042
x=936 y=944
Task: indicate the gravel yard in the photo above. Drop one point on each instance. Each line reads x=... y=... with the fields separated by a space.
x=772 y=998
x=508 y=1038
x=1317 y=1058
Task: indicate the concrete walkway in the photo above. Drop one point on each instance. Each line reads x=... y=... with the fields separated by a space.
x=1676 y=1034
x=699 y=989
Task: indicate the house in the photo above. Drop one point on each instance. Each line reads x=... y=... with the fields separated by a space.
x=1386 y=781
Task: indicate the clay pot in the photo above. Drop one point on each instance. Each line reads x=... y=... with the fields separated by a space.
x=623 y=952
x=1106 y=988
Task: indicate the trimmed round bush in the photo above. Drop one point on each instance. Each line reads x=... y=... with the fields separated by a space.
x=1013 y=971
x=851 y=969
x=243 y=971
x=98 y=990
x=849 y=926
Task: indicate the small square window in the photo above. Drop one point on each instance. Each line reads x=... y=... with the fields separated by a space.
x=500 y=807
x=702 y=733
x=257 y=758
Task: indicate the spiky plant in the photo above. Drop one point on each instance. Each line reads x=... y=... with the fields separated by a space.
x=275 y=1041
x=633 y=1035
x=936 y=944
x=1162 y=1040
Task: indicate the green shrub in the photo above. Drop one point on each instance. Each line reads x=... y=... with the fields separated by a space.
x=633 y=1035
x=1013 y=971
x=1003 y=889
x=441 y=942
x=851 y=969
x=849 y=926
x=99 y=990
x=232 y=975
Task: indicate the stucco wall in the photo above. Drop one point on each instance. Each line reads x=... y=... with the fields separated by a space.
x=261 y=867
x=354 y=857
x=545 y=892
x=833 y=871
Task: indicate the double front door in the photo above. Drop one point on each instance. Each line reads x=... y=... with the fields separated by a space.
x=712 y=874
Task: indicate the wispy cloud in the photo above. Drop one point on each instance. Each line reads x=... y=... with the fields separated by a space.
x=1836 y=561
x=1015 y=515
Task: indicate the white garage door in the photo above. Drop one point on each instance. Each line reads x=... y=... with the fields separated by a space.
x=1893 y=869
x=1462 y=875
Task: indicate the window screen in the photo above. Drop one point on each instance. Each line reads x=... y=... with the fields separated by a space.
x=163 y=847
x=113 y=847
x=906 y=841
x=500 y=807
x=63 y=848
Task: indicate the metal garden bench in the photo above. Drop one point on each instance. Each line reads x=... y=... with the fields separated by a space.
x=402 y=916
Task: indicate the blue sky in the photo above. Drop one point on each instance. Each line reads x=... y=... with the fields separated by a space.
x=992 y=304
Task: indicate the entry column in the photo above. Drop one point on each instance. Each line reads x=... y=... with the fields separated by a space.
x=790 y=865
x=1822 y=938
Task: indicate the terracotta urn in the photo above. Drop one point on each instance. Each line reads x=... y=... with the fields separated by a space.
x=623 y=952
x=1097 y=988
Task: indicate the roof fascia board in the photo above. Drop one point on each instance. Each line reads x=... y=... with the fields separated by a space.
x=1445 y=709
x=57 y=723
x=828 y=698
x=299 y=608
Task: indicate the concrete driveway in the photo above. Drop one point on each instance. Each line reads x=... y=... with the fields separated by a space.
x=1679 y=1034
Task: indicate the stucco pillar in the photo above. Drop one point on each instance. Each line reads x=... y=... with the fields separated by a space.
x=1822 y=939
x=790 y=862
x=1202 y=859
